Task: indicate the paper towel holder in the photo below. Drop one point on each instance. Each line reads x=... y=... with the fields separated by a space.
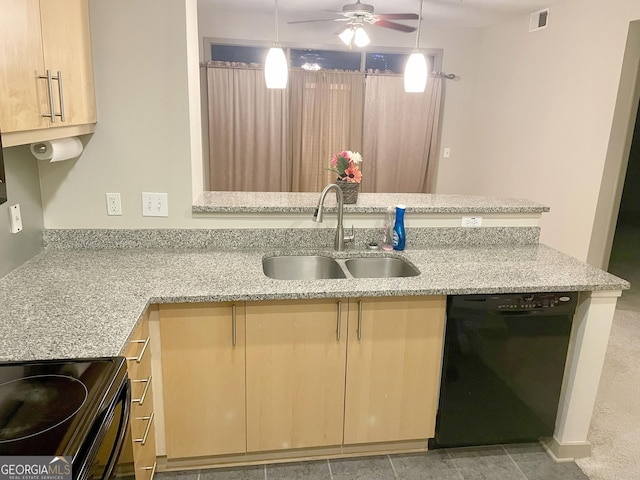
x=40 y=148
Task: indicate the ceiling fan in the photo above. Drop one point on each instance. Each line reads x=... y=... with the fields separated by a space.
x=357 y=14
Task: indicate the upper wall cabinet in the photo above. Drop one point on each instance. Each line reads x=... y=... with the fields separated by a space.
x=46 y=72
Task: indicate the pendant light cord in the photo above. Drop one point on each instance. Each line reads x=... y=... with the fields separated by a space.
x=419 y=25
x=277 y=21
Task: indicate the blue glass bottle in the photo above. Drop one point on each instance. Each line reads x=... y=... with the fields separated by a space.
x=399 y=235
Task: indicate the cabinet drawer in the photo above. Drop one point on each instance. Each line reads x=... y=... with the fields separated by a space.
x=140 y=413
x=145 y=456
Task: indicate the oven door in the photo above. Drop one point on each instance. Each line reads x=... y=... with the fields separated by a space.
x=101 y=449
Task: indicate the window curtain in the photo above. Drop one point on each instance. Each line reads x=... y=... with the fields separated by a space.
x=247 y=121
x=400 y=135
x=326 y=117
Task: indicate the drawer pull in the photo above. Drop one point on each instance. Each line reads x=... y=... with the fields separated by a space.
x=52 y=107
x=143 y=440
x=147 y=381
x=360 y=320
x=152 y=469
x=339 y=321
x=145 y=343
x=234 y=328
x=60 y=96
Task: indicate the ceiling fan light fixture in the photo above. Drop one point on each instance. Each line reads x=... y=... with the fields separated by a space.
x=415 y=73
x=276 y=68
x=360 y=37
x=347 y=35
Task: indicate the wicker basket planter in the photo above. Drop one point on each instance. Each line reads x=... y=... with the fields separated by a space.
x=349 y=190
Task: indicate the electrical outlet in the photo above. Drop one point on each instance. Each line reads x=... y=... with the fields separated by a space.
x=15 y=218
x=446 y=153
x=155 y=205
x=471 y=221
x=114 y=206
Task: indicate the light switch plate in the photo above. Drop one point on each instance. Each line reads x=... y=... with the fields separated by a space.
x=155 y=205
x=15 y=218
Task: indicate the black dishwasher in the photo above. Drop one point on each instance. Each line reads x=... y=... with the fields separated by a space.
x=504 y=359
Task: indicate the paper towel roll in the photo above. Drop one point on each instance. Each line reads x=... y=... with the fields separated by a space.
x=57 y=150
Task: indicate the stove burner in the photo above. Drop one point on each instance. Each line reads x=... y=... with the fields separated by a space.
x=33 y=405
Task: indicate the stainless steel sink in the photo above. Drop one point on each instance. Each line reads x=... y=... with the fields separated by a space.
x=380 y=267
x=301 y=267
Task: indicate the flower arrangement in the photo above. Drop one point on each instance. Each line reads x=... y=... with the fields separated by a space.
x=347 y=165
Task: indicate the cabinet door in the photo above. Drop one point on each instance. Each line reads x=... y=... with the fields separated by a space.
x=203 y=371
x=66 y=41
x=23 y=95
x=295 y=373
x=393 y=368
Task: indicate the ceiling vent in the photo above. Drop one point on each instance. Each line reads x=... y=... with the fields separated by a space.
x=539 y=20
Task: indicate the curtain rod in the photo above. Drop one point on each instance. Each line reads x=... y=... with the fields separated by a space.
x=446 y=76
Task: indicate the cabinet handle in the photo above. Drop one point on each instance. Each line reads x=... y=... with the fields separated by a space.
x=359 y=319
x=61 y=95
x=147 y=382
x=234 y=330
x=143 y=440
x=153 y=470
x=52 y=107
x=138 y=359
x=339 y=321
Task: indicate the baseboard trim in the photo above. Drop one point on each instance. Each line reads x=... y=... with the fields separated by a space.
x=566 y=452
x=284 y=456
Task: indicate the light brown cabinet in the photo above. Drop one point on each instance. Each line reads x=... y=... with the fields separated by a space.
x=141 y=450
x=295 y=373
x=203 y=370
x=38 y=38
x=393 y=368
x=298 y=375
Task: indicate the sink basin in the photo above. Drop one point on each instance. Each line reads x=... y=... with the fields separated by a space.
x=380 y=267
x=301 y=267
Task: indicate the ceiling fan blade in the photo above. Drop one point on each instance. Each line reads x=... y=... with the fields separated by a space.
x=398 y=16
x=394 y=26
x=320 y=20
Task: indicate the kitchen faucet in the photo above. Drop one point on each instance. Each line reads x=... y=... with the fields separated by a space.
x=341 y=238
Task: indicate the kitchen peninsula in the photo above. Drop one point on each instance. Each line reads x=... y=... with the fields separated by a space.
x=88 y=291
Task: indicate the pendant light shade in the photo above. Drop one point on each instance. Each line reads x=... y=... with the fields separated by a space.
x=416 y=71
x=276 y=69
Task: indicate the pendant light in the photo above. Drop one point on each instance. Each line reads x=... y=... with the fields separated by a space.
x=276 y=70
x=415 y=71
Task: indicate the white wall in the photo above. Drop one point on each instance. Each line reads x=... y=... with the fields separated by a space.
x=22 y=188
x=544 y=110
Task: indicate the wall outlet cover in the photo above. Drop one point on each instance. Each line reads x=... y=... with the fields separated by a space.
x=15 y=218
x=471 y=221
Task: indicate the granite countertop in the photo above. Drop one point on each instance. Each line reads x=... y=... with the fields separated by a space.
x=294 y=202
x=85 y=303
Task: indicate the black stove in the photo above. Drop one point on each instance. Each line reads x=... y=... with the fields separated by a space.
x=65 y=408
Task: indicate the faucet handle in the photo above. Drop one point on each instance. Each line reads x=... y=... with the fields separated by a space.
x=350 y=237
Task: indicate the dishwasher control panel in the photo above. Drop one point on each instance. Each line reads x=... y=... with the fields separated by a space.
x=518 y=302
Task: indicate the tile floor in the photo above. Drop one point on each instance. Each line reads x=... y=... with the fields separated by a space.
x=509 y=462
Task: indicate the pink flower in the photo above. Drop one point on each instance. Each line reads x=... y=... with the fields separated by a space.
x=352 y=174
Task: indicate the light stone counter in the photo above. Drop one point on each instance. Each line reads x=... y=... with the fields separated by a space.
x=285 y=202
x=85 y=303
